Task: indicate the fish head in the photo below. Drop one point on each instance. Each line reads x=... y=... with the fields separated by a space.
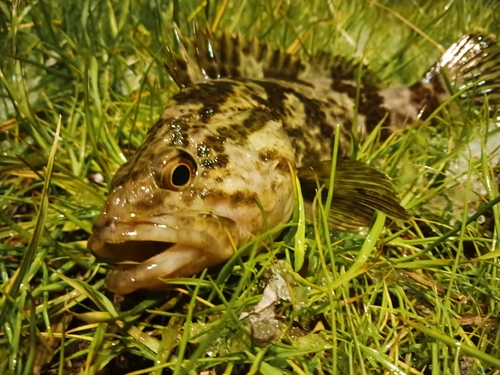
x=190 y=195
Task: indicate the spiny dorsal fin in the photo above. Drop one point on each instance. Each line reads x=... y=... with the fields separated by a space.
x=208 y=57
x=473 y=64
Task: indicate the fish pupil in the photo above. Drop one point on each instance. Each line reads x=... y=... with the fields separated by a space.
x=181 y=175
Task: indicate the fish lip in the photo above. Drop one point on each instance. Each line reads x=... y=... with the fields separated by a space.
x=168 y=229
x=187 y=239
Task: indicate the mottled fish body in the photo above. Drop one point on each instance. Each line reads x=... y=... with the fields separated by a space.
x=245 y=118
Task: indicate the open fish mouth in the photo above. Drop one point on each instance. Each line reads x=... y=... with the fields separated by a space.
x=133 y=251
x=159 y=249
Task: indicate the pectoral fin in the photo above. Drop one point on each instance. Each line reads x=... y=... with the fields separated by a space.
x=359 y=190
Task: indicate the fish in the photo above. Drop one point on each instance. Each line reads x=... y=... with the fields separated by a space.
x=218 y=167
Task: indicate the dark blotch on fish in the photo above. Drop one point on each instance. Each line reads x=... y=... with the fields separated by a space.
x=220 y=161
x=370 y=102
x=215 y=143
x=424 y=99
x=244 y=197
x=268 y=154
x=209 y=95
x=314 y=118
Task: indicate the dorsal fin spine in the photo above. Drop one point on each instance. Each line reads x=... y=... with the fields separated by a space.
x=230 y=56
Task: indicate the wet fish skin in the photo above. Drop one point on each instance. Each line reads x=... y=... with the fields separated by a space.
x=237 y=128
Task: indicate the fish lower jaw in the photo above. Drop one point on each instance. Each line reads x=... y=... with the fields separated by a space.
x=177 y=261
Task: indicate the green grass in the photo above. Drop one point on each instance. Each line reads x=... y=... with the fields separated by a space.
x=421 y=299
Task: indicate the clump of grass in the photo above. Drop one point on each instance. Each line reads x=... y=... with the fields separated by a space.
x=422 y=298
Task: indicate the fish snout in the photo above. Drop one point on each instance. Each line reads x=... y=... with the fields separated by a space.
x=161 y=247
x=101 y=229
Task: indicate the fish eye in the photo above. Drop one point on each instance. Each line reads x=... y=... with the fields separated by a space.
x=177 y=172
x=181 y=175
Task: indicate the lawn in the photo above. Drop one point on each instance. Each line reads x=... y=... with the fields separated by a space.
x=81 y=82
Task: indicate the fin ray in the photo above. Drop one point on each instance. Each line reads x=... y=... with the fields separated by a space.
x=208 y=57
x=473 y=64
x=359 y=190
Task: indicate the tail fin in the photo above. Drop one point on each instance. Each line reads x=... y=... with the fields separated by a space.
x=471 y=65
